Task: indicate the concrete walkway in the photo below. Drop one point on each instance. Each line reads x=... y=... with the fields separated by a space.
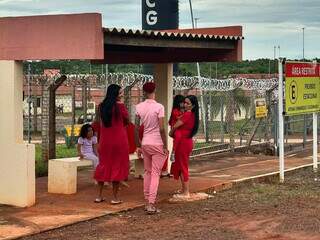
x=53 y=210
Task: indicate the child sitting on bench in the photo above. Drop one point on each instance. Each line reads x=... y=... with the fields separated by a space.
x=87 y=145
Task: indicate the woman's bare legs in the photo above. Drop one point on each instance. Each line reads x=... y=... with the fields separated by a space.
x=115 y=190
x=185 y=187
x=182 y=185
x=100 y=188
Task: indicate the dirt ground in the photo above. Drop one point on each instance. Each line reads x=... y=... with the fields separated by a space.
x=248 y=211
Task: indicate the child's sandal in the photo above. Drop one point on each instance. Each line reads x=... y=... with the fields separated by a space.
x=115 y=202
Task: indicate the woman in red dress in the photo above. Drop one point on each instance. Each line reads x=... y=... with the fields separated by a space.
x=113 y=146
x=186 y=127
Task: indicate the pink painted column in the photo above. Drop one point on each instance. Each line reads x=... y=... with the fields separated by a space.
x=17 y=175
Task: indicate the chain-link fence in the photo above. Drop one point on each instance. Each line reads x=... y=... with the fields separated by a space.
x=227 y=118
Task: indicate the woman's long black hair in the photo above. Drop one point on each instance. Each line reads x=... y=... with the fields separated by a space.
x=108 y=104
x=194 y=101
x=177 y=100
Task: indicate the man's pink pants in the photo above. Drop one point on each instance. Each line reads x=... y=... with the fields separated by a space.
x=154 y=158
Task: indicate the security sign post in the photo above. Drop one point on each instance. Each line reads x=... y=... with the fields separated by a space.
x=302 y=95
x=281 y=121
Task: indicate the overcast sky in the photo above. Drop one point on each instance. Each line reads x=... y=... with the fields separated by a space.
x=266 y=23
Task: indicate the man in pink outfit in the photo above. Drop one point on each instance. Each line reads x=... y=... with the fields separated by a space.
x=153 y=146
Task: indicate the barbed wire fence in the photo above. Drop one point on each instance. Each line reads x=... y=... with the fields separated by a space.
x=229 y=107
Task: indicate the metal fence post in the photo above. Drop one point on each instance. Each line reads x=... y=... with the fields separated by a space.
x=281 y=121
x=73 y=113
x=315 y=142
x=84 y=101
x=45 y=124
x=230 y=119
x=222 y=119
x=35 y=114
x=276 y=122
x=304 y=131
x=206 y=108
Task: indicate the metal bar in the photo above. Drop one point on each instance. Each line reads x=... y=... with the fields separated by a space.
x=299 y=120
x=73 y=116
x=203 y=110
x=222 y=120
x=304 y=131
x=84 y=102
x=107 y=72
x=281 y=121
x=303 y=43
x=276 y=127
x=191 y=12
x=315 y=142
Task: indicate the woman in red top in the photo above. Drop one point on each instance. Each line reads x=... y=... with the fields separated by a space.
x=113 y=146
x=186 y=127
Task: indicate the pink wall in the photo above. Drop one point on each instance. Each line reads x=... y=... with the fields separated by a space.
x=74 y=36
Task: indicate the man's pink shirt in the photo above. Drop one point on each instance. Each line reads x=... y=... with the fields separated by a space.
x=149 y=112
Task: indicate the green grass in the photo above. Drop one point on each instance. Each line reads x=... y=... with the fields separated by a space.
x=215 y=126
x=61 y=152
x=298 y=184
x=203 y=144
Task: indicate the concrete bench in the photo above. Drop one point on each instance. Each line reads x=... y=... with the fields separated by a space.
x=62 y=174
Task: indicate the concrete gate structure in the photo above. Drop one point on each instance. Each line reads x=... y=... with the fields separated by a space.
x=82 y=37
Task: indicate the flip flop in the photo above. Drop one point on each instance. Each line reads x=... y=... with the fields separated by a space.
x=114 y=202
x=99 y=200
x=181 y=196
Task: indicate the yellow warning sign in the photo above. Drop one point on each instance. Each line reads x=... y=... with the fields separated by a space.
x=77 y=128
x=261 y=107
